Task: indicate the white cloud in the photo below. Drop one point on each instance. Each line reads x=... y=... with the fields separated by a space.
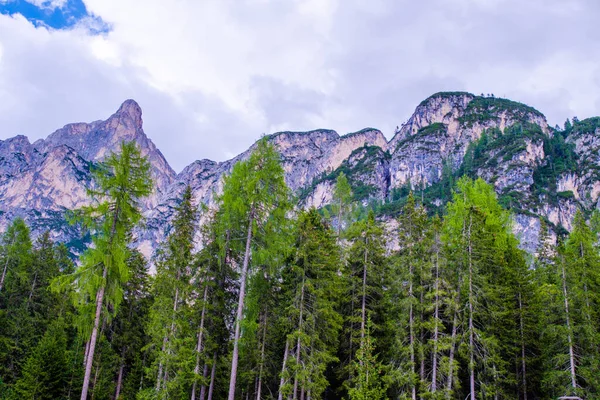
x=48 y=4
x=216 y=74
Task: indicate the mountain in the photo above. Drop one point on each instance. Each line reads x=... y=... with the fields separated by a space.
x=538 y=171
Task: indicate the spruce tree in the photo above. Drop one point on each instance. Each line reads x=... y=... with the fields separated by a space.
x=17 y=324
x=312 y=283
x=476 y=234
x=127 y=331
x=582 y=265
x=172 y=291
x=44 y=374
x=367 y=278
x=369 y=381
x=412 y=272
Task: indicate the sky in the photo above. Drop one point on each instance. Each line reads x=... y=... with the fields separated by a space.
x=212 y=76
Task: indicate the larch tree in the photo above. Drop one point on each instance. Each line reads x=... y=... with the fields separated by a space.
x=255 y=200
x=342 y=202
x=121 y=181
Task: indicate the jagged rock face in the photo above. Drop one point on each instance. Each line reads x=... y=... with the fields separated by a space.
x=95 y=141
x=304 y=155
x=441 y=129
x=447 y=132
x=585 y=183
x=367 y=170
x=40 y=181
x=41 y=186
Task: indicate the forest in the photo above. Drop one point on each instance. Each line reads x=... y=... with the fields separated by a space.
x=258 y=299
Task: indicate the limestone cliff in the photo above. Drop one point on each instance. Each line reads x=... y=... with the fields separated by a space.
x=537 y=171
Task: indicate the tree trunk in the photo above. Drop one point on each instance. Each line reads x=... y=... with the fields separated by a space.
x=262 y=357
x=421 y=336
x=5 y=268
x=364 y=296
x=452 y=350
x=240 y=309
x=160 y=377
x=32 y=287
x=411 y=329
x=339 y=233
x=119 y=380
x=199 y=344
x=96 y=378
x=282 y=379
x=90 y=356
x=471 y=326
x=523 y=359
x=213 y=371
x=569 y=339
x=436 y=314
x=298 y=344
x=85 y=354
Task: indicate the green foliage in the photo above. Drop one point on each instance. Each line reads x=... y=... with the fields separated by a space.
x=423 y=310
x=369 y=381
x=312 y=284
x=122 y=180
x=169 y=326
x=444 y=95
x=560 y=158
x=44 y=374
x=482 y=109
x=364 y=163
x=367 y=275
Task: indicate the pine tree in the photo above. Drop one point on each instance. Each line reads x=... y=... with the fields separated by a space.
x=122 y=181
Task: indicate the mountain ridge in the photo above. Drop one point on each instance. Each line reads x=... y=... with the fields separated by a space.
x=442 y=136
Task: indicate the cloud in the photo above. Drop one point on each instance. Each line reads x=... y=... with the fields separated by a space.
x=212 y=76
x=48 y=4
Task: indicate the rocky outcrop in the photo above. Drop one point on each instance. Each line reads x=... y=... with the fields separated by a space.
x=96 y=140
x=450 y=133
x=41 y=181
x=441 y=128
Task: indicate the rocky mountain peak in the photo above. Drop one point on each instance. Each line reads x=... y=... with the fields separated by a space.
x=534 y=169
x=131 y=110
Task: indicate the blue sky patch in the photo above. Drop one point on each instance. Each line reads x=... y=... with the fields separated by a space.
x=43 y=13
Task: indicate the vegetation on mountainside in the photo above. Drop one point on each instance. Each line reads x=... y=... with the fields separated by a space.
x=364 y=162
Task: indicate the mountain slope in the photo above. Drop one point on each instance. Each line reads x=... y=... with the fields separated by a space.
x=537 y=171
